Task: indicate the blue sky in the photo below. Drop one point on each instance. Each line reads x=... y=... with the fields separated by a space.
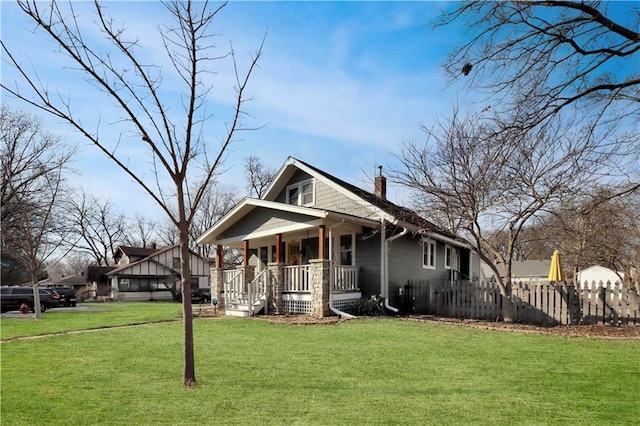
x=340 y=85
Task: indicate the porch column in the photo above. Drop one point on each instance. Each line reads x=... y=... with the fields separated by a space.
x=217 y=284
x=218 y=257
x=319 y=271
x=275 y=286
x=114 y=291
x=245 y=252
x=322 y=230
x=278 y=248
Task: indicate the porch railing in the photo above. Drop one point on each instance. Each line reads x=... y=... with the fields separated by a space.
x=233 y=286
x=296 y=279
x=257 y=289
x=345 y=278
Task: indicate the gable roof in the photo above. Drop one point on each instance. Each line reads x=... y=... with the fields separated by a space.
x=98 y=273
x=135 y=251
x=149 y=258
x=380 y=208
x=248 y=204
x=394 y=212
x=523 y=269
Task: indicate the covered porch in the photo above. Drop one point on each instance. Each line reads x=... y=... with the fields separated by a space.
x=279 y=288
x=301 y=260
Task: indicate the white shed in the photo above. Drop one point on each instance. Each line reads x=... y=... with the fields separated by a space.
x=597 y=273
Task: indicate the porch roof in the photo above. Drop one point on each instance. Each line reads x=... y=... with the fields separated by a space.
x=314 y=217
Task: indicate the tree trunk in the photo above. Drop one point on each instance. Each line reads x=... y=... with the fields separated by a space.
x=507 y=303
x=36 y=301
x=189 y=372
x=507 y=308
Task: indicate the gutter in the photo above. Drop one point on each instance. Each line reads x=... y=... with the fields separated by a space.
x=384 y=273
x=341 y=314
x=444 y=239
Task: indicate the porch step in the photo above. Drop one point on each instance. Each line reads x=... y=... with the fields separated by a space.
x=240 y=308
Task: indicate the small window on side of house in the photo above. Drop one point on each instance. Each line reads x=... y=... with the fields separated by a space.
x=292 y=195
x=307 y=196
x=448 y=256
x=429 y=254
x=301 y=194
x=346 y=249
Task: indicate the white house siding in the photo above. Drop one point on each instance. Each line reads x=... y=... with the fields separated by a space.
x=197 y=265
x=159 y=265
x=144 y=296
x=597 y=274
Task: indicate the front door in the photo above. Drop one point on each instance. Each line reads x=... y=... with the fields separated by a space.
x=293 y=257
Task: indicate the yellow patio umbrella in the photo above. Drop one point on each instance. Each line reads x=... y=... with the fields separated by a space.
x=555 y=272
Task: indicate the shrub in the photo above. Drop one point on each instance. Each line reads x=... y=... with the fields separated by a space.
x=372 y=306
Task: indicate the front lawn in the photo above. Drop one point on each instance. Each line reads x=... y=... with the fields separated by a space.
x=89 y=316
x=368 y=371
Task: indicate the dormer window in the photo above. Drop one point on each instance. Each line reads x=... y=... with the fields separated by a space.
x=301 y=194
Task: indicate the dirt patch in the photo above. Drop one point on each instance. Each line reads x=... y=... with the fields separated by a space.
x=590 y=331
x=631 y=332
x=298 y=319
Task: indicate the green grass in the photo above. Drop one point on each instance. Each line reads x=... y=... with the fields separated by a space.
x=377 y=371
x=101 y=315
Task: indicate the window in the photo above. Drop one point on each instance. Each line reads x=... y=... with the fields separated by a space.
x=176 y=263
x=301 y=194
x=346 y=249
x=307 y=193
x=141 y=284
x=429 y=254
x=448 y=256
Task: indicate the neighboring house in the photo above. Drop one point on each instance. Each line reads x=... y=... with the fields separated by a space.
x=97 y=282
x=77 y=282
x=524 y=271
x=149 y=273
x=597 y=274
x=314 y=243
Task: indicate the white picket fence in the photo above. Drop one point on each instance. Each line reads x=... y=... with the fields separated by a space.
x=533 y=303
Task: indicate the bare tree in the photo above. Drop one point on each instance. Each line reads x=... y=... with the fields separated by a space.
x=141 y=231
x=258 y=177
x=532 y=243
x=217 y=202
x=183 y=157
x=489 y=188
x=597 y=229
x=555 y=54
x=98 y=229
x=75 y=263
x=33 y=166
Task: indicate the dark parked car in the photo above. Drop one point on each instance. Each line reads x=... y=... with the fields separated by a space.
x=67 y=296
x=201 y=295
x=12 y=298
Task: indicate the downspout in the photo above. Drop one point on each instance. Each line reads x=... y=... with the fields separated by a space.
x=384 y=276
x=336 y=311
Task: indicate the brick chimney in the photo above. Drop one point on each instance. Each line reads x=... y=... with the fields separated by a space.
x=380 y=185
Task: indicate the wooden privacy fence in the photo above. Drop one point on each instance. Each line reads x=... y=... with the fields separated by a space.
x=533 y=303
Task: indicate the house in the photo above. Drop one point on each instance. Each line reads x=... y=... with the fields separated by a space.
x=151 y=273
x=315 y=244
x=597 y=274
x=75 y=282
x=97 y=282
x=524 y=271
